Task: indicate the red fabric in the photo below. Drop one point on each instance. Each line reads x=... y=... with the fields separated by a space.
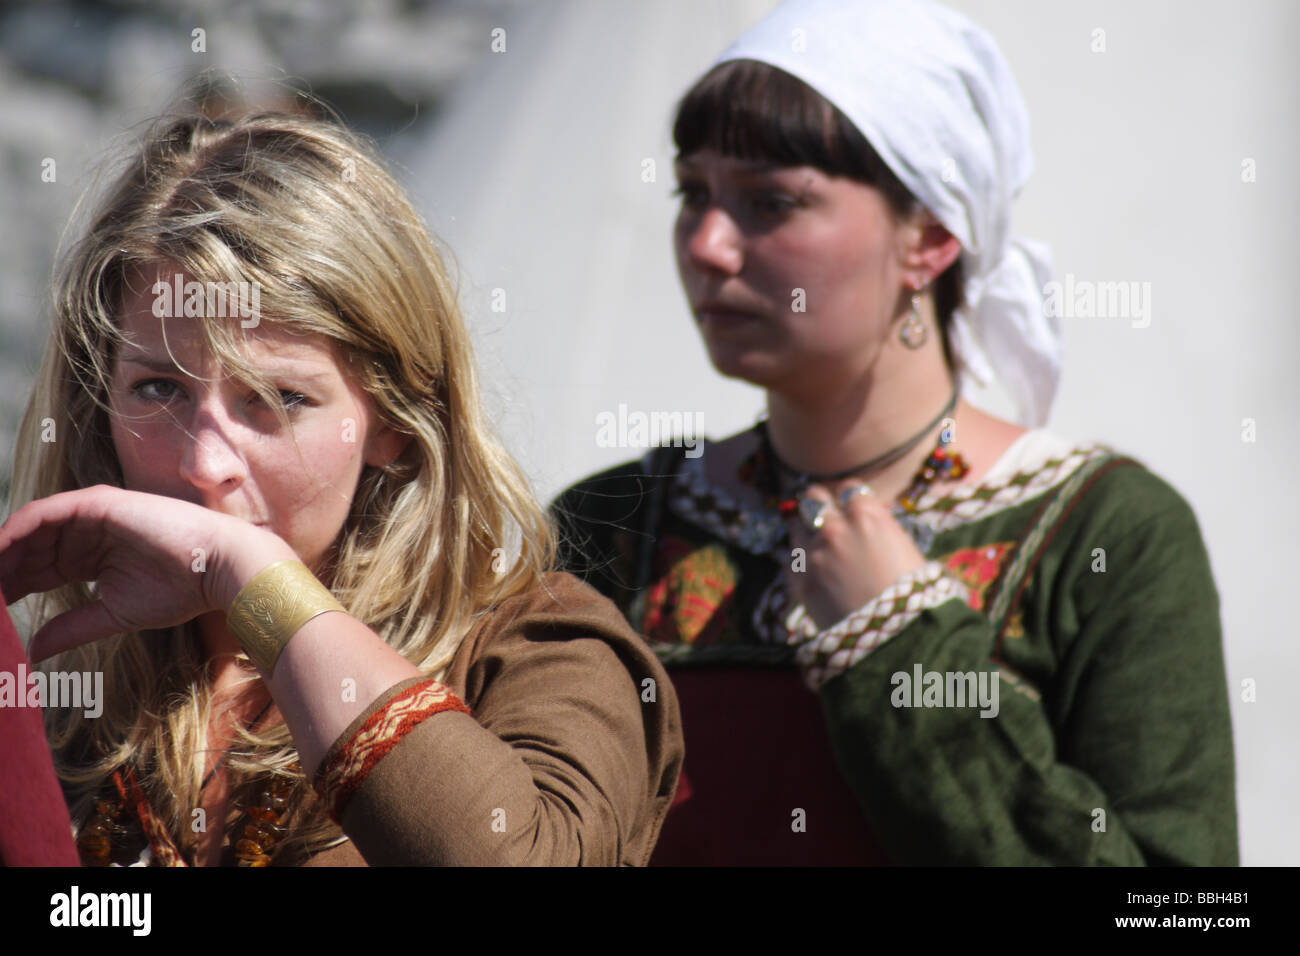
x=34 y=825
x=339 y=778
x=757 y=750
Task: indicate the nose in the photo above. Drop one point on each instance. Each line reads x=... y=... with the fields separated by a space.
x=712 y=242
x=210 y=459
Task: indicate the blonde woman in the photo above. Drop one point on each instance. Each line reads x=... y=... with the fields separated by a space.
x=273 y=516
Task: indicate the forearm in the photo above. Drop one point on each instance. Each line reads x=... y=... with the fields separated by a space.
x=332 y=668
x=1132 y=776
x=328 y=674
x=945 y=785
x=551 y=767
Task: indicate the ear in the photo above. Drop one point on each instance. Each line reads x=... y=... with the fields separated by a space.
x=385 y=445
x=933 y=250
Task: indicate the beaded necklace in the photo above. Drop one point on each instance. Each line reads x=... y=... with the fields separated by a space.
x=109 y=833
x=763 y=467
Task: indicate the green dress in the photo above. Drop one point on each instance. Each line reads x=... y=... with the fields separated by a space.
x=1048 y=689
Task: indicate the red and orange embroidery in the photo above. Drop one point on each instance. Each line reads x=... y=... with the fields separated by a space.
x=381 y=732
x=978 y=567
x=690 y=600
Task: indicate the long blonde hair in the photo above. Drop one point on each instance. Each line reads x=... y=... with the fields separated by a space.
x=304 y=209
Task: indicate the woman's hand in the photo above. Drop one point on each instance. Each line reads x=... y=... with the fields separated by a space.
x=155 y=561
x=860 y=550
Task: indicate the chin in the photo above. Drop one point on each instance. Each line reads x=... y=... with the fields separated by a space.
x=757 y=368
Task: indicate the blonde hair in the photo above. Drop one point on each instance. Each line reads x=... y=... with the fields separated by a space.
x=304 y=209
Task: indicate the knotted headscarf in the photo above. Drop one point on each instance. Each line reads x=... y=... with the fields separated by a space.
x=932 y=94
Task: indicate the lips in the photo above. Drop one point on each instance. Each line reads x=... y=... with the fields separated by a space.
x=725 y=314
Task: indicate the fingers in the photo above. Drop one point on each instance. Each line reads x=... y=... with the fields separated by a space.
x=27 y=561
x=53 y=510
x=801 y=535
x=51 y=541
x=858 y=549
x=48 y=556
x=855 y=500
x=82 y=625
x=850 y=505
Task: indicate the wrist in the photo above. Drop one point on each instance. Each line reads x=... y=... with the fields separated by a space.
x=271 y=608
x=254 y=550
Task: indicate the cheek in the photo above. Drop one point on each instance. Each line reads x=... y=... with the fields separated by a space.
x=311 y=495
x=843 y=274
x=681 y=237
x=842 y=256
x=143 y=452
x=326 y=460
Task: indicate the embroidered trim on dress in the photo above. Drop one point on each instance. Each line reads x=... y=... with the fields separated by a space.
x=697 y=499
x=380 y=733
x=822 y=655
x=959 y=505
x=770 y=615
x=1037 y=462
x=1042 y=464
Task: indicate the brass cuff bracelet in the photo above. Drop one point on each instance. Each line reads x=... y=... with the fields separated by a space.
x=272 y=606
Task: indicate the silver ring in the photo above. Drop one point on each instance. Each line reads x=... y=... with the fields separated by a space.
x=813 y=513
x=848 y=494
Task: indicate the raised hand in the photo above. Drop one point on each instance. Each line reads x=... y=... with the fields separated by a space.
x=155 y=561
x=859 y=551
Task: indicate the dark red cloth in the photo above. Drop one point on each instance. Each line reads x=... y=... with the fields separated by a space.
x=757 y=750
x=34 y=825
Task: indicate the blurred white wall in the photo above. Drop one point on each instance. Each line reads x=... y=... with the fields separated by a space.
x=535 y=179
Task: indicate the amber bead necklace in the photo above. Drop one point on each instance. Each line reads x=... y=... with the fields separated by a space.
x=260 y=830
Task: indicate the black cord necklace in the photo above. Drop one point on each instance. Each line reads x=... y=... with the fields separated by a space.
x=802 y=479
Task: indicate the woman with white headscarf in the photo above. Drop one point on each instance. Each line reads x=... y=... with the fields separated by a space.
x=902 y=629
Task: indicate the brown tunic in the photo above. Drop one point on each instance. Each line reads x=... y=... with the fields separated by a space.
x=572 y=754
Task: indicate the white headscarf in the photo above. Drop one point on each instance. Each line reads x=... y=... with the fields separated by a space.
x=933 y=96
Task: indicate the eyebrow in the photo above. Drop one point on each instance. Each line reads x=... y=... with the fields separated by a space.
x=170 y=368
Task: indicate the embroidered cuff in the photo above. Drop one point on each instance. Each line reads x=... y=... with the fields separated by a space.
x=824 y=654
x=339 y=776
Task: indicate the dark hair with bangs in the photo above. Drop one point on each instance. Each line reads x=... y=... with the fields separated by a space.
x=750 y=110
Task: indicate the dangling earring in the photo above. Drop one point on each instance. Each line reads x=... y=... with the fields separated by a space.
x=914 y=333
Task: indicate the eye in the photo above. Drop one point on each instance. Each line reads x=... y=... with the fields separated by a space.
x=289 y=398
x=774 y=204
x=158 y=390
x=692 y=195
